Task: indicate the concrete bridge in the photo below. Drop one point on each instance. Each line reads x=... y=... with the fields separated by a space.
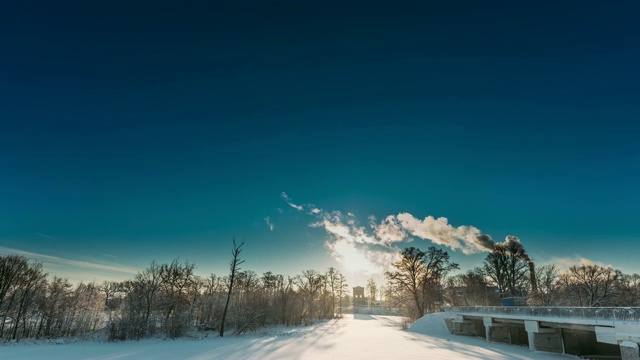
x=596 y=332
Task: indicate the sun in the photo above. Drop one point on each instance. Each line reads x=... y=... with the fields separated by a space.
x=352 y=259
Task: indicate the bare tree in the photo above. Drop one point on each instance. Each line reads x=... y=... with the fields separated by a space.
x=592 y=285
x=285 y=295
x=210 y=303
x=419 y=277
x=234 y=266
x=629 y=294
x=372 y=288
x=342 y=291
x=31 y=283
x=12 y=269
x=506 y=268
x=309 y=285
x=332 y=280
x=149 y=282
x=470 y=288
x=549 y=287
x=176 y=281
x=109 y=288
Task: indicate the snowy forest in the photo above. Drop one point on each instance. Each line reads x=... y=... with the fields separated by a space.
x=171 y=300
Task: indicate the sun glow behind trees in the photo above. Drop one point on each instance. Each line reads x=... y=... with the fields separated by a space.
x=171 y=299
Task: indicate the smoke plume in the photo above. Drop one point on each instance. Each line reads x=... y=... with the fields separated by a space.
x=378 y=243
x=513 y=243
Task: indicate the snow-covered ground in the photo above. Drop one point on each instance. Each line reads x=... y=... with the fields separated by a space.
x=353 y=337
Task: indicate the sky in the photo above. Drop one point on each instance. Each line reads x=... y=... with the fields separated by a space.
x=320 y=133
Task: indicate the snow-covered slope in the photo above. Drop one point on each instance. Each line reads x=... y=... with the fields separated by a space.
x=353 y=337
x=432 y=325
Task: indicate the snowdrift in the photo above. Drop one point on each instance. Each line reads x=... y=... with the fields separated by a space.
x=432 y=325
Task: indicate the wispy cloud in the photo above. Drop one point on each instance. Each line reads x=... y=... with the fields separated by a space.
x=563 y=263
x=269 y=223
x=288 y=201
x=308 y=208
x=47 y=236
x=297 y=207
x=73 y=268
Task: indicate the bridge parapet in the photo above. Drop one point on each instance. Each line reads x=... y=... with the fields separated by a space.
x=615 y=314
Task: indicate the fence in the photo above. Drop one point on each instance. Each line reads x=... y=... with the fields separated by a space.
x=597 y=313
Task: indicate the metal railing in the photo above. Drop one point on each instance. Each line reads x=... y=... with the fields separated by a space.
x=594 y=313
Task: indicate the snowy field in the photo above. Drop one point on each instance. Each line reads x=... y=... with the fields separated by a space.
x=353 y=337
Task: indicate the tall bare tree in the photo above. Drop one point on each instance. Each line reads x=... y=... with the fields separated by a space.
x=234 y=267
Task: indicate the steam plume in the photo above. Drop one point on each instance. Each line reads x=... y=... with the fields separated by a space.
x=378 y=243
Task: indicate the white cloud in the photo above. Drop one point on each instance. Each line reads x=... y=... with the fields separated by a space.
x=389 y=230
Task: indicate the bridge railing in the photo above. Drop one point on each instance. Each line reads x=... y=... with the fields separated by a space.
x=598 y=313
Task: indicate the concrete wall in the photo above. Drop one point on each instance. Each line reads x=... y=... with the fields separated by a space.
x=629 y=350
x=584 y=342
x=518 y=334
x=500 y=333
x=466 y=327
x=550 y=341
x=449 y=323
x=619 y=340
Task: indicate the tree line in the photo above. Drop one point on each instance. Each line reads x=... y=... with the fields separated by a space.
x=421 y=282
x=164 y=299
x=171 y=300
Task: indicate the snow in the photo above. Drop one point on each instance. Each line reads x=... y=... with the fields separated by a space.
x=432 y=325
x=353 y=337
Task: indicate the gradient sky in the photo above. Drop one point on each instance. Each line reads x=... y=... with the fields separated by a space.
x=132 y=132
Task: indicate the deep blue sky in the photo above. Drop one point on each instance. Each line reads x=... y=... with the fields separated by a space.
x=138 y=131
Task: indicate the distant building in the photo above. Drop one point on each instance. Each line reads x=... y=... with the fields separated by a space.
x=358 y=296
